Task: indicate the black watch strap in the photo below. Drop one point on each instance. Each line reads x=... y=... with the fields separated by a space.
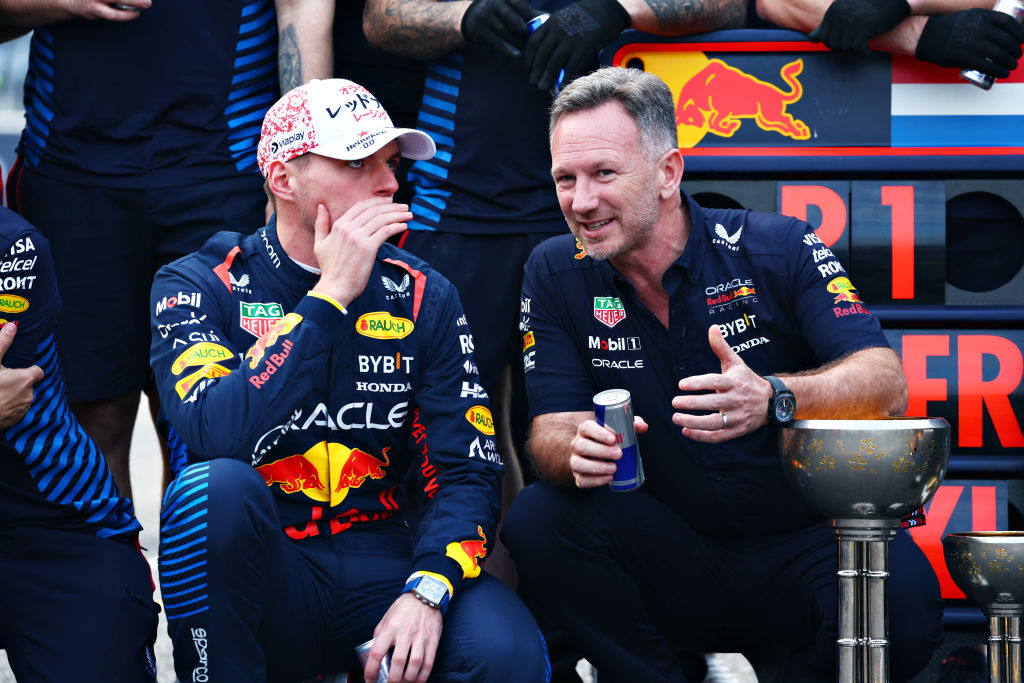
x=782 y=404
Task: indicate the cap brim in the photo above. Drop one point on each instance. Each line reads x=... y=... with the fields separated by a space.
x=413 y=144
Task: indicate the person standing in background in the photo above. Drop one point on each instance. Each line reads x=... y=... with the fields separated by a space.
x=142 y=120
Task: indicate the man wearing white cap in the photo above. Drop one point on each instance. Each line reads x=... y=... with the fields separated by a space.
x=304 y=369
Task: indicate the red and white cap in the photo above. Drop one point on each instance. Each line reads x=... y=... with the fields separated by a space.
x=334 y=118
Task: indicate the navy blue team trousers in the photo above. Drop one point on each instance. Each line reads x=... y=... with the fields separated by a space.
x=620 y=579
x=246 y=603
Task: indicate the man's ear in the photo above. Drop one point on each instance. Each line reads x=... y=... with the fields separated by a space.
x=670 y=173
x=280 y=180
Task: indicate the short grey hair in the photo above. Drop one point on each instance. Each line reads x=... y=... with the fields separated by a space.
x=645 y=97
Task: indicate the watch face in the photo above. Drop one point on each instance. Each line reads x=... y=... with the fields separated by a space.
x=785 y=406
x=432 y=590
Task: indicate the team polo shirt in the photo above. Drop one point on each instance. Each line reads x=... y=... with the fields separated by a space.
x=781 y=300
x=51 y=473
x=492 y=170
x=174 y=97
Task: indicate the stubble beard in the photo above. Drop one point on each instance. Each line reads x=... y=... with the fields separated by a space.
x=636 y=228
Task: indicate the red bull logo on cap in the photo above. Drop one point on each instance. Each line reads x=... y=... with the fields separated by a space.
x=719 y=96
x=469 y=553
x=844 y=290
x=199 y=354
x=325 y=472
x=383 y=325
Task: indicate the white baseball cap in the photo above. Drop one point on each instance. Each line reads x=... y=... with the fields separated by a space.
x=334 y=118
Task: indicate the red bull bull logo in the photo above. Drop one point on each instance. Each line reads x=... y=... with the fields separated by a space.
x=326 y=472
x=844 y=290
x=383 y=325
x=294 y=473
x=469 y=554
x=357 y=467
x=199 y=354
x=718 y=97
x=745 y=291
x=255 y=354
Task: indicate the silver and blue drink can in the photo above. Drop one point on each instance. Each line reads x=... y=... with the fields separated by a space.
x=1015 y=8
x=614 y=410
x=533 y=25
x=363 y=652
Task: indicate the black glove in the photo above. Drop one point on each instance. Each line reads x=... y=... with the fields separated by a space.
x=981 y=39
x=849 y=24
x=571 y=38
x=498 y=23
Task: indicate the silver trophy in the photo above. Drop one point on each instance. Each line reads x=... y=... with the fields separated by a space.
x=988 y=566
x=865 y=476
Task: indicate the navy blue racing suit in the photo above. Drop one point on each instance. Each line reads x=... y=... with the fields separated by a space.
x=301 y=420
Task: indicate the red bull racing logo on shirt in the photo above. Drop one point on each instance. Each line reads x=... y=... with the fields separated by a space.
x=844 y=290
x=258 y=318
x=609 y=310
x=325 y=472
x=383 y=325
x=469 y=553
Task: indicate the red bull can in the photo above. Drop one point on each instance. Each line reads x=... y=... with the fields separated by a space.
x=614 y=410
x=363 y=652
x=1015 y=8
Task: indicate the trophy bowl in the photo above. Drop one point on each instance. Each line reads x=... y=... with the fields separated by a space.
x=988 y=566
x=881 y=469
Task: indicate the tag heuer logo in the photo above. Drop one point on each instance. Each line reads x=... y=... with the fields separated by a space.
x=609 y=310
x=258 y=318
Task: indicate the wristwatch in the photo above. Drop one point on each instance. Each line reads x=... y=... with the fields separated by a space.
x=782 y=404
x=429 y=590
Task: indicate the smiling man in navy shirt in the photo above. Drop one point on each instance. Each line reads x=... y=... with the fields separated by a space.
x=694 y=311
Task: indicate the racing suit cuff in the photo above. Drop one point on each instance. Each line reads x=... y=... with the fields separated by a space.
x=324 y=314
x=442 y=567
x=410 y=583
x=329 y=299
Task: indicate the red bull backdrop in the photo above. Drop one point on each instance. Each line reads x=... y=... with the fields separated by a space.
x=758 y=95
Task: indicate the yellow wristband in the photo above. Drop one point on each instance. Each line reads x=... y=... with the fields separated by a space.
x=329 y=299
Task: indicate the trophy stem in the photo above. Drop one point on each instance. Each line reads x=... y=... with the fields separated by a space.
x=1013 y=649
x=849 y=584
x=877 y=580
x=863 y=638
x=996 y=649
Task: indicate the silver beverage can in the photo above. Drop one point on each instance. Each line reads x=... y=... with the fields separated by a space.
x=1015 y=8
x=363 y=652
x=614 y=410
